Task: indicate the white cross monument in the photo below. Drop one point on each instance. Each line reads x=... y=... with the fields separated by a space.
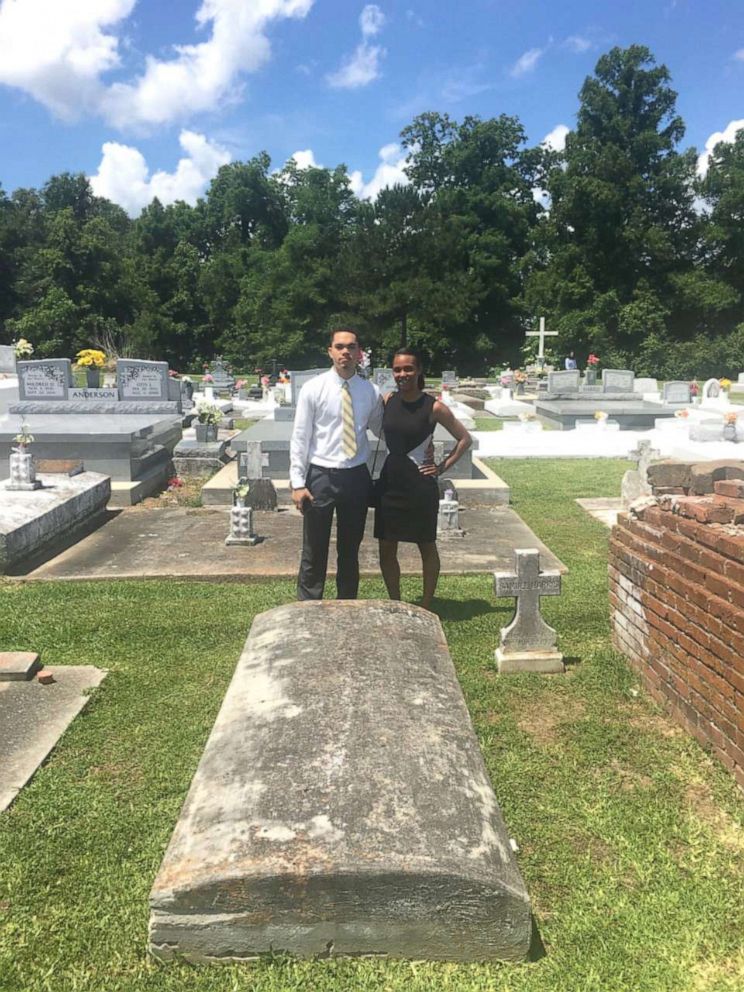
x=541 y=335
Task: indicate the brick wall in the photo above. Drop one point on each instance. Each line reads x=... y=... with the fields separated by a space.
x=677 y=600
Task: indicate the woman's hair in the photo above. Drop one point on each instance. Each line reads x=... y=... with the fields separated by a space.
x=420 y=382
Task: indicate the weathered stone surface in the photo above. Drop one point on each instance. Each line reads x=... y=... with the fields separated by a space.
x=33 y=521
x=18 y=666
x=528 y=643
x=342 y=804
x=59 y=466
x=33 y=717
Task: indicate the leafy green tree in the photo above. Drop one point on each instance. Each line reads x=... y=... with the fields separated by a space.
x=622 y=232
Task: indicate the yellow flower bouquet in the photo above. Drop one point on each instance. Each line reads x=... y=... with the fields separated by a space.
x=90 y=358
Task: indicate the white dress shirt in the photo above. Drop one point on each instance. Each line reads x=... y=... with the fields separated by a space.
x=318 y=424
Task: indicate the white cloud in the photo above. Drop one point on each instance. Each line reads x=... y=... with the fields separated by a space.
x=363 y=66
x=371 y=20
x=556 y=139
x=577 y=43
x=123 y=175
x=58 y=51
x=739 y=56
x=305 y=159
x=728 y=135
x=388 y=173
x=526 y=62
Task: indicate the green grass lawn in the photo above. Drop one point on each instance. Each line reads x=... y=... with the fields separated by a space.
x=631 y=838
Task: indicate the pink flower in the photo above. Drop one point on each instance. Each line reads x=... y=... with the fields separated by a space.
x=208 y=377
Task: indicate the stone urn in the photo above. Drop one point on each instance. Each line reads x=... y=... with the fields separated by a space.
x=187 y=389
x=520 y=389
x=206 y=432
x=93 y=377
x=590 y=377
x=729 y=431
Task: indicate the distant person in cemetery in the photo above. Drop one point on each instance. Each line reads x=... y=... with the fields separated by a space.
x=571 y=361
x=408 y=491
x=328 y=467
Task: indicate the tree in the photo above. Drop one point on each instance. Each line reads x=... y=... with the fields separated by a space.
x=622 y=231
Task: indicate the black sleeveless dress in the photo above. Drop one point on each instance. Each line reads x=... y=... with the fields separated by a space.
x=409 y=501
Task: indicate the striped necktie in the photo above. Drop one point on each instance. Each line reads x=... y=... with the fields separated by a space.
x=349 y=440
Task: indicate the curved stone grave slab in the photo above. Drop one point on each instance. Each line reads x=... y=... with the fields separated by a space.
x=341 y=804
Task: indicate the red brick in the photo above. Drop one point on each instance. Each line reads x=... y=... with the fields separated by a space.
x=45 y=677
x=735 y=506
x=704 y=510
x=730 y=487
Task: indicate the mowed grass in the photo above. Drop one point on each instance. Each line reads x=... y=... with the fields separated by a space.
x=631 y=839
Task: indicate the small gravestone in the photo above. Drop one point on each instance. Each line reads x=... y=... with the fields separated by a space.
x=711 y=389
x=142 y=380
x=298 y=380
x=617 y=381
x=7 y=359
x=222 y=381
x=645 y=385
x=262 y=492
x=564 y=382
x=450 y=379
x=448 y=519
x=384 y=380
x=346 y=822
x=528 y=644
x=677 y=392
x=636 y=482
x=50 y=379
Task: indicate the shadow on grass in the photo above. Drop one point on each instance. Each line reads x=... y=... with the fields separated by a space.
x=465 y=609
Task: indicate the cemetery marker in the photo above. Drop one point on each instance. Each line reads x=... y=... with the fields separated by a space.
x=528 y=643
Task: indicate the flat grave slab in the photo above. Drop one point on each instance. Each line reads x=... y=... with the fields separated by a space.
x=32 y=719
x=32 y=521
x=189 y=544
x=18 y=666
x=354 y=821
x=631 y=414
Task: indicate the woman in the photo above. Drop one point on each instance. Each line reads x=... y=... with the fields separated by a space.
x=409 y=493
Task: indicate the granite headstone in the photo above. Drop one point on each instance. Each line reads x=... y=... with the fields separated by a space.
x=49 y=379
x=142 y=380
x=617 y=381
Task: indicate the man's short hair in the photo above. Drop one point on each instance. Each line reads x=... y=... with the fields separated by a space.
x=343 y=330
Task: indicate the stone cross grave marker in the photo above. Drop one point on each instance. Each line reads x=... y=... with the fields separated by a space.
x=541 y=335
x=528 y=643
x=49 y=379
x=618 y=381
x=635 y=482
x=142 y=380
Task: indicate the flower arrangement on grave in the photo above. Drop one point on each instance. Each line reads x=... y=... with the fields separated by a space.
x=592 y=362
x=520 y=376
x=172 y=374
x=725 y=383
x=240 y=384
x=24 y=437
x=207 y=377
x=90 y=358
x=600 y=416
x=240 y=492
x=186 y=378
x=694 y=388
x=729 y=418
x=175 y=484
x=209 y=413
x=682 y=414
x=528 y=416
x=23 y=348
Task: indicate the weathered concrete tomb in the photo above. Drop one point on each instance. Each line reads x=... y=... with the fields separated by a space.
x=341 y=805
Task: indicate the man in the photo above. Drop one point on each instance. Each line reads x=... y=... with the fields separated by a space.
x=328 y=467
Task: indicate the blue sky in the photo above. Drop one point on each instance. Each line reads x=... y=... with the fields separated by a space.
x=150 y=98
